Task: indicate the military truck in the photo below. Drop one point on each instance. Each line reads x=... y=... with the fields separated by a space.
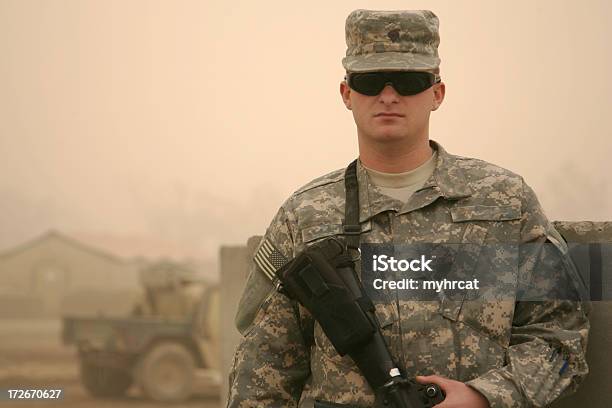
x=170 y=337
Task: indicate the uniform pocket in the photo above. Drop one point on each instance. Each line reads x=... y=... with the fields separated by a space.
x=247 y=327
x=486 y=252
x=316 y=232
x=477 y=352
x=466 y=260
x=485 y=213
x=482 y=324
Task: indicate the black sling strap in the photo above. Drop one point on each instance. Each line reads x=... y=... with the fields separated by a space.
x=351 y=227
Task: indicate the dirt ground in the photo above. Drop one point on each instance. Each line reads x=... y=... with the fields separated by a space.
x=32 y=356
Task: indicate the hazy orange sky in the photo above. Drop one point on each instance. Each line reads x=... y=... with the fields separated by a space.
x=187 y=123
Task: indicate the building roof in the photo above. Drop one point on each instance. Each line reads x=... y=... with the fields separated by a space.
x=56 y=235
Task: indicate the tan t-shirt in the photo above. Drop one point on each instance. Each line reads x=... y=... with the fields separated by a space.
x=402 y=185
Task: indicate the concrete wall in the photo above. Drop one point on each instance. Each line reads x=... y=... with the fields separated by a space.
x=233 y=264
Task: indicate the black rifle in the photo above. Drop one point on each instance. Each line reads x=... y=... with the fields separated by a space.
x=324 y=281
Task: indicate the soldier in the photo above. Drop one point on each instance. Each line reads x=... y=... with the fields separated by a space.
x=500 y=354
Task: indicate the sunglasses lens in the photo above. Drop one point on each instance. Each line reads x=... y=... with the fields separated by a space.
x=368 y=83
x=411 y=83
x=405 y=82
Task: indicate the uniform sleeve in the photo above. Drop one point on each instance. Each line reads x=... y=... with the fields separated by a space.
x=260 y=282
x=272 y=360
x=546 y=357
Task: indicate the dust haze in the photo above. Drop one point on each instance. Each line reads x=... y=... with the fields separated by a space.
x=175 y=127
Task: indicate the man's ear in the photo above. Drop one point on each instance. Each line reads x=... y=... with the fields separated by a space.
x=438 y=97
x=345 y=92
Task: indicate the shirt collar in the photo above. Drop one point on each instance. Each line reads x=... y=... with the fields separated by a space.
x=448 y=175
x=447 y=181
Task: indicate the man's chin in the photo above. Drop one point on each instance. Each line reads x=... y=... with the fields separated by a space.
x=389 y=137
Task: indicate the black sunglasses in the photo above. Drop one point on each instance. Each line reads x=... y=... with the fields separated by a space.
x=404 y=82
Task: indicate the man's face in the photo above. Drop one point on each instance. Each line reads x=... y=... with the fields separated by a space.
x=389 y=116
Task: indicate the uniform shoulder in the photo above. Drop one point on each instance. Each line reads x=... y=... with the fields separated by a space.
x=478 y=168
x=323 y=195
x=325 y=180
x=490 y=182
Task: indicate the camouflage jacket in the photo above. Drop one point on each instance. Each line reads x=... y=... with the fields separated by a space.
x=500 y=348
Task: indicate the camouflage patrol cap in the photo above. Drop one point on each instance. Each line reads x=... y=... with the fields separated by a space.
x=402 y=40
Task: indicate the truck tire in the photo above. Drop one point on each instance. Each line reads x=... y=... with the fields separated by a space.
x=104 y=382
x=166 y=373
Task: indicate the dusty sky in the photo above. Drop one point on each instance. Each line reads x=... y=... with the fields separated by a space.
x=185 y=124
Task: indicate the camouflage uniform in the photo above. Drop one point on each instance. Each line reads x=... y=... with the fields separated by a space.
x=500 y=348
x=503 y=348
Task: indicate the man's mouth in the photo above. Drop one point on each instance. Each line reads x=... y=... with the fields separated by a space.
x=388 y=115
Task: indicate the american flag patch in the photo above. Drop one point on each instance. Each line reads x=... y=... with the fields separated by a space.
x=269 y=259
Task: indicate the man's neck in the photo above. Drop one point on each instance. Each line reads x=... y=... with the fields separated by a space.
x=391 y=158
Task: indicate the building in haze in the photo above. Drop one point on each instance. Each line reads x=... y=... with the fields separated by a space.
x=55 y=274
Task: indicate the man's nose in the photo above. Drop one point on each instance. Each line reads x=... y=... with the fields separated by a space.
x=389 y=94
